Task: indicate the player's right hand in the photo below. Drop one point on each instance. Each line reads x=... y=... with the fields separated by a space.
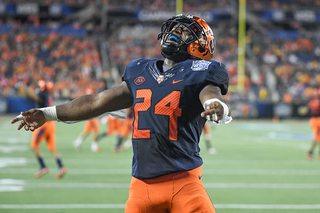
x=31 y=120
x=213 y=111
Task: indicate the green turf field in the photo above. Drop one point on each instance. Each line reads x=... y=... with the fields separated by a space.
x=259 y=167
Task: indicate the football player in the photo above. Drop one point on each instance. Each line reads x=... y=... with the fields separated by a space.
x=122 y=128
x=45 y=132
x=207 y=139
x=314 y=121
x=171 y=99
x=90 y=126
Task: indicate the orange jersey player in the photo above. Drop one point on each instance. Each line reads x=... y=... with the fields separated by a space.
x=122 y=128
x=314 y=106
x=90 y=126
x=207 y=138
x=45 y=132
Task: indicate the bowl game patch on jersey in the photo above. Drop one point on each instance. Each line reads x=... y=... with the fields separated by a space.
x=200 y=65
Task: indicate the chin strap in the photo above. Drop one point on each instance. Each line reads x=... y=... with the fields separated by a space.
x=177 y=53
x=174 y=52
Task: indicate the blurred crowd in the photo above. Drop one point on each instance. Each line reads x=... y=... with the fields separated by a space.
x=188 y=5
x=49 y=2
x=289 y=68
x=71 y=62
x=284 y=5
x=195 y=5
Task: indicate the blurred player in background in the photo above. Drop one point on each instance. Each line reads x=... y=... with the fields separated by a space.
x=314 y=106
x=122 y=128
x=207 y=139
x=172 y=99
x=90 y=126
x=46 y=132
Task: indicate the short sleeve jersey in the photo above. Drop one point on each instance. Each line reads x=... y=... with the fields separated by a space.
x=167 y=123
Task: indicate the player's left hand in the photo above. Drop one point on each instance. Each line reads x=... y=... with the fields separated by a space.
x=213 y=112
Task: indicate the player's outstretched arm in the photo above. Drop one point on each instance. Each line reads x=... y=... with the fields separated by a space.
x=89 y=106
x=82 y=108
x=215 y=108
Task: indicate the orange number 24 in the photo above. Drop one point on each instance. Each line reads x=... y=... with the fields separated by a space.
x=169 y=106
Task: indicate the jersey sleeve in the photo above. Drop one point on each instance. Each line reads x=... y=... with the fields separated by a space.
x=217 y=75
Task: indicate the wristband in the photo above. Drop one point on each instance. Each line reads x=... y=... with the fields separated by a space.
x=50 y=113
x=225 y=118
x=225 y=107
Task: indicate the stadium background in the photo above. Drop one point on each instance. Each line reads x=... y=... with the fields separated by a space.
x=78 y=44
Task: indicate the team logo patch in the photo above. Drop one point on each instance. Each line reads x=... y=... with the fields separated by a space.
x=139 y=80
x=200 y=65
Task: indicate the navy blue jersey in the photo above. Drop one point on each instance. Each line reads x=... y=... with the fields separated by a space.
x=45 y=99
x=167 y=123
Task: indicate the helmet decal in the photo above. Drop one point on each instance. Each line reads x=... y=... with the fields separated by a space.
x=211 y=46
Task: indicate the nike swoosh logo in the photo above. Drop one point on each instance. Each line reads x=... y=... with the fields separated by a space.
x=174 y=81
